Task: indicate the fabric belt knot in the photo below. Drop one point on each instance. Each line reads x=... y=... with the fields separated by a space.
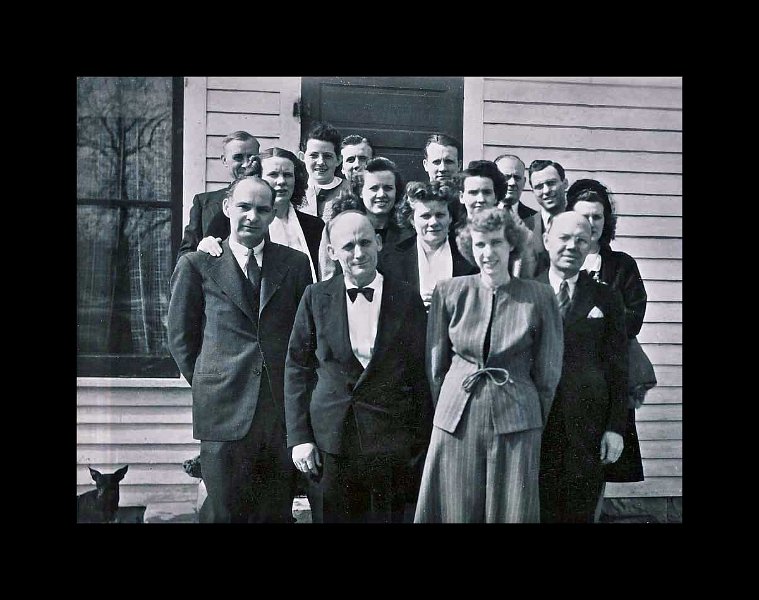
x=497 y=375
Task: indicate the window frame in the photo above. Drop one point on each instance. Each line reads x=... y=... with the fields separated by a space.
x=129 y=365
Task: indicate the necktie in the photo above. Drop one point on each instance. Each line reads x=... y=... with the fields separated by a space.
x=254 y=272
x=366 y=291
x=563 y=298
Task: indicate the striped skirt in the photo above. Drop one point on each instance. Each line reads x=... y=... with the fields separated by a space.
x=478 y=476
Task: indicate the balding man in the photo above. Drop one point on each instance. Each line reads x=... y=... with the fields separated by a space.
x=230 y=317
x=357 y=401
x=513 y=170
x=208 y=225
x=587 y=420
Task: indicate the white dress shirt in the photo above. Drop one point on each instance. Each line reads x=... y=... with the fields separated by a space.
x=592 y=263
x=242 y=254
x=433 y=268
x=363 y=317
x=288 y=232
x=555 y=279
x=313 y=188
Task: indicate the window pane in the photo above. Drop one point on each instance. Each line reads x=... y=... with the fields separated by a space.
x=124 y=246
x=124 y=138
x=124 y=266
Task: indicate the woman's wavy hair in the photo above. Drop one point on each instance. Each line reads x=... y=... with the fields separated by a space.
x=591 y=190
x=298 y=198
x=494 y=219
x=375 y=165
x=425 y=191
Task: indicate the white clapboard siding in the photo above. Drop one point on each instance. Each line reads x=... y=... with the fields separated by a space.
x=627 y=133
x=146 y=424
x=262 y=106
x=142 y=495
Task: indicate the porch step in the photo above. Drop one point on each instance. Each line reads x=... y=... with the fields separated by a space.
x=170 y=512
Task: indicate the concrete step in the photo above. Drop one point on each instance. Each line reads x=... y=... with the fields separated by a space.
x=187 y=512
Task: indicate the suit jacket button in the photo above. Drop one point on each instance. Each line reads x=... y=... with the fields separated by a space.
x=256 y=371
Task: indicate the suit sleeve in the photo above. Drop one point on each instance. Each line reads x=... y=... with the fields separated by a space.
x=185 y=319
x=616 y=349
x=193 y=232
x=418 y=378
x=548 y=347
x=634 y=297
x=300 y=373
x=438 y=356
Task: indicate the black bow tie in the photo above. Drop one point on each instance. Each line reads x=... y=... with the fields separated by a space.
x=366 y=291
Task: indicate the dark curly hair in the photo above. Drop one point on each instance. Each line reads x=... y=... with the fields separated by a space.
x=591 y=190
x=494 y=219
x=425 y=191
x=485 y=168
x=324 y=132
x=298 y=198
x=375 y=165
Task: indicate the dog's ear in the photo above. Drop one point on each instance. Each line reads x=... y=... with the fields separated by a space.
x=95 y=474
x=119 y=474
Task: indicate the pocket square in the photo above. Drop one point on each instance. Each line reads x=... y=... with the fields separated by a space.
x=595 y=313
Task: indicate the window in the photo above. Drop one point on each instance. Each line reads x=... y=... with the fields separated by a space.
x=129 y=216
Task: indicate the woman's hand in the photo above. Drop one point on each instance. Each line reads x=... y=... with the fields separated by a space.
x=210 y=245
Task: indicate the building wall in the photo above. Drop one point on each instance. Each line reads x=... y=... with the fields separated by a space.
x=627 y=133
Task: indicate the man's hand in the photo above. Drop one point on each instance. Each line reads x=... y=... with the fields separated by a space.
x=306 y=458
x=210 y=245
x=611 y=447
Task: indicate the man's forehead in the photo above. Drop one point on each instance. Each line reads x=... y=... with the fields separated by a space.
x=510 y=165
x=570 y=222
x=436 y=148
x=356 y=148
x=237 y=145
x=313 y=145
x=351 y=225
x=251 y=190
x=549 y=172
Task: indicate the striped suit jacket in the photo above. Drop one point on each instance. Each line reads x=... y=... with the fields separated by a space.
x=526 y=339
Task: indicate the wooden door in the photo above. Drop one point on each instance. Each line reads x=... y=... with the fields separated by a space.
x=396 y=113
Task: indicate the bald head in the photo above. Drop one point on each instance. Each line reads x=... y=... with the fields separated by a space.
x=355 y=245
x=568 y=242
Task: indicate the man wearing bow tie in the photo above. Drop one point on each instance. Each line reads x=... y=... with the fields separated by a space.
x=356 y=395
x=588 y=416
x=230 y=317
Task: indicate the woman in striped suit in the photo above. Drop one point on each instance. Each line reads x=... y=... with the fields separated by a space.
x=494 y=354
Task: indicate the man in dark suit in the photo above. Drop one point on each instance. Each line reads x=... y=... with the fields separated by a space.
x=208 y=225
x=357 y=401
x=230 y=318
x=549 y=184
x=513 y=169
x=588 y=417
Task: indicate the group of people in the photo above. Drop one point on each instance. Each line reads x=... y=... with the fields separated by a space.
x=435 y=351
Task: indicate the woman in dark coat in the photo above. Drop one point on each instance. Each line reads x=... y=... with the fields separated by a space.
x=426 y=251
x=619 y=270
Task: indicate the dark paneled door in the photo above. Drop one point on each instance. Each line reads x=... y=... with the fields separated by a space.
x=396 y=113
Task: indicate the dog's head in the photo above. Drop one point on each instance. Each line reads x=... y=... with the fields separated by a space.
x=108 y=490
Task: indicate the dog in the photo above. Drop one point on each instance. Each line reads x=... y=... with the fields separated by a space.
x=101 y=504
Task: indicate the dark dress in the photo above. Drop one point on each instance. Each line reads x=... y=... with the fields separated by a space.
x=620 y=271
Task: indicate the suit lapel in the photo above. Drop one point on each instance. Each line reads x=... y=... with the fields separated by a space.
x=388 y=325
x=225 y=271
x=272 y=273
x=582 y=300
x=335 y=314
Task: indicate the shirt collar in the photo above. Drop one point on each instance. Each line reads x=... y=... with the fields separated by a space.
x=241 y=251
x=375 y=283
x=555 y=279
x=327 y=186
